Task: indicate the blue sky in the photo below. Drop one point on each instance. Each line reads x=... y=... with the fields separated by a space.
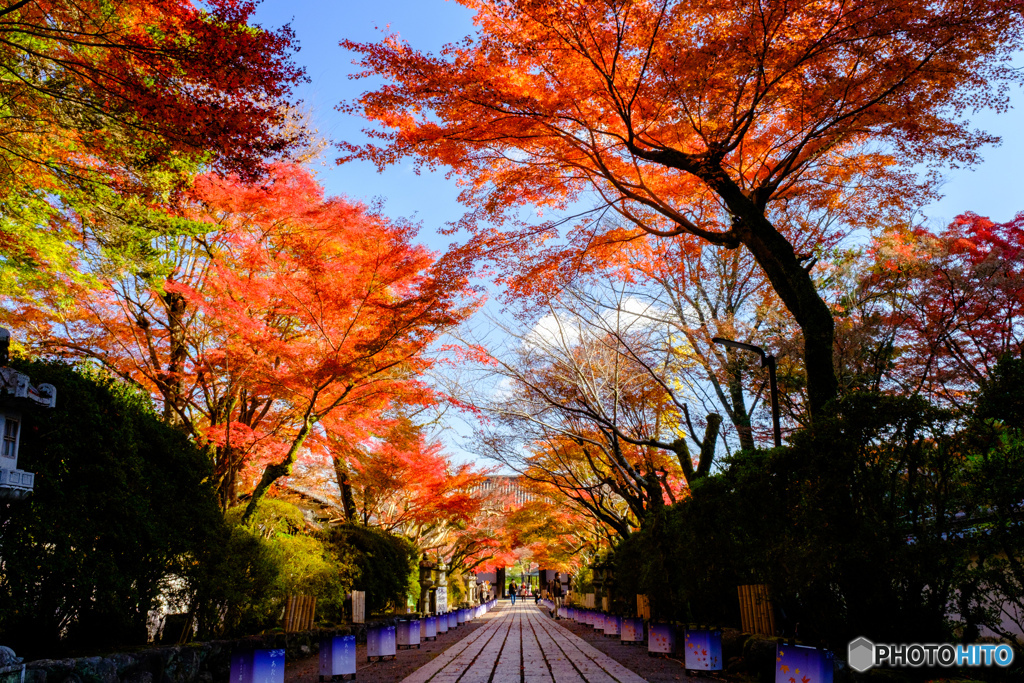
x=993 y=188
x=319 y=26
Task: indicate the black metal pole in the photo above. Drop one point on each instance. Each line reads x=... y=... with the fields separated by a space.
x=774 y=385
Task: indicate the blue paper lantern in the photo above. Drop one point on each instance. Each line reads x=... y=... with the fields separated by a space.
x=428 y=628
x=702 y=650
x=442 y=623
x=632 y=630
x=661 y=639
x=407 y=634
x=337 y=657
x=612 y=625
x=268 y=666
x=380 y=642
x=800 y=664
x=241 y=667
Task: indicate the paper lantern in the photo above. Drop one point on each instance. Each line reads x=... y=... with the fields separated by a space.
x=702 y=650
x=268 y=666
x=337 y=657
x=598 y=621
x=661 y=639
x=632 y=630
x=460 y=616
x=380 y=642
x=442 y=623
x=428 y=628
x=241 y=667
x=612 y=625
x=453 y=620
x=813 y=664
x=407 y=634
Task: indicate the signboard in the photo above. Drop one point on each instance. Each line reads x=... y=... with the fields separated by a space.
x=358 y=607
x=441 y=600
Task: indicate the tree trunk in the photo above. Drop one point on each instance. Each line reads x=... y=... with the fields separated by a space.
x=790 y=280
x=707 y=446
x=348 y=503
x=707 y=451
x=794 y=286
x=740 y=415
x=172 y=379
x=274 y=472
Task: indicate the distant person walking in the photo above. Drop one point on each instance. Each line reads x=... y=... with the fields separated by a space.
x=556 y=595
x=512 y=591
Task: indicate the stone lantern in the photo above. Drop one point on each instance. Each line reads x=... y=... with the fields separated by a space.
x=16 y=393
x=441 y=591
x=602 y=581
x=428 y=575
x=433 y=587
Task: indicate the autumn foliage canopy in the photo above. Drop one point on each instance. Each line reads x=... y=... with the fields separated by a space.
x=735 y=123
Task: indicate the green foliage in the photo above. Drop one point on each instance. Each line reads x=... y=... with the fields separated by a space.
x=993 y=590
x=851 y=526
x=583 y=580
x=387 y=564
x=280 y=554
x=121 y=503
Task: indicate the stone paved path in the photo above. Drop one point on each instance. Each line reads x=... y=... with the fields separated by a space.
x=521 y=644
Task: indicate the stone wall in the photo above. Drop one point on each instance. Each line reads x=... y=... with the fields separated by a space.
x=208 y=662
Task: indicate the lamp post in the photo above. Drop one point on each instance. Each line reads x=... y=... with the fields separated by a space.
x=767 y=360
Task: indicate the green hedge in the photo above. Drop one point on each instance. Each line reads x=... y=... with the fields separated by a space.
x=121 y=502
x=853 y=526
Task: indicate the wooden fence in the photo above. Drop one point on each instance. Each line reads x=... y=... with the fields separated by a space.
x=299 y=612
x=358 y=607
x=756 y=612
x=643 y=607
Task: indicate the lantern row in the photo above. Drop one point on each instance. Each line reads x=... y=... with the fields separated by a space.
x=701 y=648
x=338 y=653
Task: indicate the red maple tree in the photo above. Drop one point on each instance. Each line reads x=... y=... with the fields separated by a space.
x=945 y=306
x=720 y=120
